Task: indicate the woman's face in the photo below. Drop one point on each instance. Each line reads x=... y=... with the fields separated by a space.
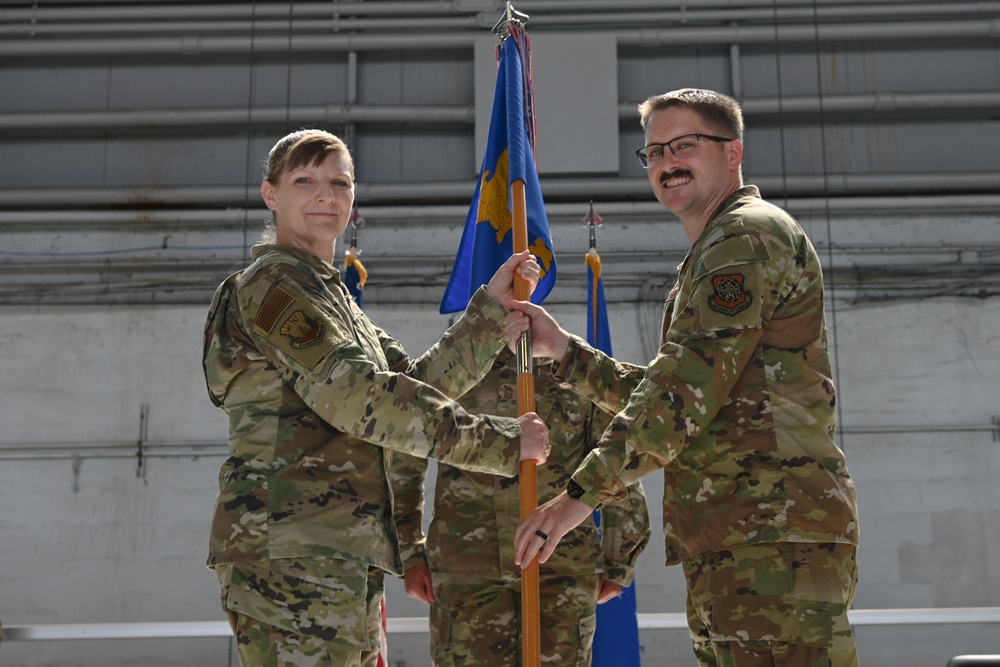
x=312 y=205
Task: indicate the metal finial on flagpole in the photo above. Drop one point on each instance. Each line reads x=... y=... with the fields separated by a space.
x=593 y=221
x=355 y=221
x=510 y=16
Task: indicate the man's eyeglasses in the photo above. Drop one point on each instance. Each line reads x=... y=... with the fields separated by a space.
x=685 y=145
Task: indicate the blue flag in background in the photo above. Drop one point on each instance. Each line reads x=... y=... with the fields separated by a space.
x=616 y=640
x=354 y=278
x=598 y=332
x=488 y=239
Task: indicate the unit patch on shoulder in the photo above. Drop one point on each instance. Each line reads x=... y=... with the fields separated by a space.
x=302 y=329
x=275 y=304
x=729 y=296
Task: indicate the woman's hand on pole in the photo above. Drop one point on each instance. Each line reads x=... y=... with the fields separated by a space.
x=501 y=285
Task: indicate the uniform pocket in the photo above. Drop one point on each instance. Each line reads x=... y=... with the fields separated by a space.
x=588 y=626
x=772 y=619
x=299 y=606
x=441 y=638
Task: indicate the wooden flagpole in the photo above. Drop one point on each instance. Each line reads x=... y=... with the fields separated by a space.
x=527 y=475
x=528 y=482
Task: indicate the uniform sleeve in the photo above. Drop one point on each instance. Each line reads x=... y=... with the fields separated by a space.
x=716 y=329
x=625 y=533
x=605 y=381
x=464 y=353
x=310 y=339
x=407 y=476
x=625 y=527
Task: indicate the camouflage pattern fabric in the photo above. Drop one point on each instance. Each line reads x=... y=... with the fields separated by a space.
x=318 y=396
x=781 y=605
x=475 y=515
x=738 y=408
x=471 y=534
x=738 y=405
x=476 y=621
x=309 y=613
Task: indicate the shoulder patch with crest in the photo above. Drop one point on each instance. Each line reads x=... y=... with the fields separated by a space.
x=302 y=330
x=729 y=295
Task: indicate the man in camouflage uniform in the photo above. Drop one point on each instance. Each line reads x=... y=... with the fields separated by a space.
x=737 y=408
x=318 y=396
x=475 y=596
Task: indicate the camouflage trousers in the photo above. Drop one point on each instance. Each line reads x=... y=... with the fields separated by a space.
x=773 y=605
x=315 y=612
x=477 y=621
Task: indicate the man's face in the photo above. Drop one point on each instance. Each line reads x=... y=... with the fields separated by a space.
x=692 y=185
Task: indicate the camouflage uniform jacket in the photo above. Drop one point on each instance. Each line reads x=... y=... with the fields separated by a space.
x=475 y=515
x=317 y=396
x=738 y=405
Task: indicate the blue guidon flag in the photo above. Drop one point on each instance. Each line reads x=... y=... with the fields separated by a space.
x=487 y=240
x=616 y=639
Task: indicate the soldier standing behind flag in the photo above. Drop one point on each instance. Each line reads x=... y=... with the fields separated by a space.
x=466 y=570
x=318 y=396
x=737 y=408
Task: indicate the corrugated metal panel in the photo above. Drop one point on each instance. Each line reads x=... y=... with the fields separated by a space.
x=903 y=105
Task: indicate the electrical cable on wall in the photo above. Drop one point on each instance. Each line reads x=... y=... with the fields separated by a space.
x=831 y=279
x=248 y=199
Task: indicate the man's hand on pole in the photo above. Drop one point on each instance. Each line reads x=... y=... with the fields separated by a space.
x=540 y=532
x=548 y=339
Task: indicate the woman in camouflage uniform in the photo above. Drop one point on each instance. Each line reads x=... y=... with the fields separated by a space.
x=318 y=396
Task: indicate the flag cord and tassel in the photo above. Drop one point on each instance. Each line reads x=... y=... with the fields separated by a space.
x=355 y=274
x=511 y=26
x=593 y=262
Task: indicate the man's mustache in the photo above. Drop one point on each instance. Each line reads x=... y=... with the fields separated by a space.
x=675 y=174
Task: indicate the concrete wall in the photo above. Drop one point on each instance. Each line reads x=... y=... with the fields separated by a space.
x=102 y=540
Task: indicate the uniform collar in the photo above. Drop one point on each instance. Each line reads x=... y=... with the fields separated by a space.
x=730 y=202
x=318 y=266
